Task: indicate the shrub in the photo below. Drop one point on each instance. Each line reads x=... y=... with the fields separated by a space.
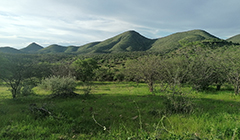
x=178 y=104
x=26 y=90
x=59 y=85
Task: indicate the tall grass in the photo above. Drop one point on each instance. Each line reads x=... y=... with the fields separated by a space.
x=118 y=111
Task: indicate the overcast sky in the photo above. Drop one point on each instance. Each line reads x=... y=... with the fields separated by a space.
x=77 y=22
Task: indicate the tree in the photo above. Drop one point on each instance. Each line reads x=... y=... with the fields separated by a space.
x=231 y=64
x=84 y=69
x=144 y=68
x=174 y=71
x=14 y=70
x=200 y=72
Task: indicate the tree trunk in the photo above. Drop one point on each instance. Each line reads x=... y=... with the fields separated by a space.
x=218 y=87
x=14 y=93
x=237 y=85
x=150 y=85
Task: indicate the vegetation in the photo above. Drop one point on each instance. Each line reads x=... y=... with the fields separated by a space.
x=235 y=39
x=189 y=91
x=59 y=86
x=120 y=111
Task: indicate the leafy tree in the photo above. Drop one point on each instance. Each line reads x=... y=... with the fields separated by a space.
x=84 y=69
x=231 y=64
x=200 y=72
x=14 y=70
x=104 y=74
x=174 y=71
x=61 y=69
x=144 y=68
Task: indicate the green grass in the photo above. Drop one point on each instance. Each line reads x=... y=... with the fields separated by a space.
x=126 y=110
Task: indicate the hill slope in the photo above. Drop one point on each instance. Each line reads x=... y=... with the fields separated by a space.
x=32 y=48
x=53 y=49
x=125 y=42
x=172 y=42
x=9 y=50
x=71 y=49
x=235 y=39
x=129 y=41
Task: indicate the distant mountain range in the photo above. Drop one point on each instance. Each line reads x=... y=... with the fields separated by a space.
x=126 y=42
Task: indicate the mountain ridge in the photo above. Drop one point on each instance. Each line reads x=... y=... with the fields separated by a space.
x=234 y=39
x=128 y=41
x=33 y=47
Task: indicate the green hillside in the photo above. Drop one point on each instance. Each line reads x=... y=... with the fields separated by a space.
x=129 y=41
x=173 y=41
x=235 y=39
x=9 y=50
x=32 y=48
x=53 y=49
x=125 y=42
x=87 y=48
x=71 y=49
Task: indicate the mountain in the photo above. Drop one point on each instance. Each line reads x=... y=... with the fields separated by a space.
x=235 y=39
x=9 y=50
x=71 y=49
x=53 y=49
x=129 y=41
x=87 y=48
x=173 y=41
x=125 y=42
x=32 y=48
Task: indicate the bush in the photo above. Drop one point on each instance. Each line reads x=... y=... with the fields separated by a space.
x=59 y=85
x=178 y=104
x=26 y=90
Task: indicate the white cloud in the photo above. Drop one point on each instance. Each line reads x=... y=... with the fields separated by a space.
x=82 y=21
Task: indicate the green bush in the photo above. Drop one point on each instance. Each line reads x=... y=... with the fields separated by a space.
x=178 y=104
x=26 y=90
x=59 y=85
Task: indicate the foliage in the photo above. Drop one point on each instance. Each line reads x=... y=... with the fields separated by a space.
x=174 y=72
x=14 y=70
x=26 y=88
x=235 y=39
x=84 y=69
x=232 y=65
x=178 y=103
x=53 y=49
x=119 y=110
x=174 y=41
x=59 y=85
x=144 y=68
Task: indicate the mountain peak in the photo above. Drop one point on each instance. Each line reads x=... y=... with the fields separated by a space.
x=33 y=47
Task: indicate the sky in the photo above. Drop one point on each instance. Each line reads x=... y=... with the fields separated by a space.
x=77 y=22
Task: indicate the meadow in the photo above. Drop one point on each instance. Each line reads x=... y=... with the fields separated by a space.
x=120 y=110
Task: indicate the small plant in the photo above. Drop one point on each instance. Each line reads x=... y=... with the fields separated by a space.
x=26 y=90
x=87 y=88
x=60 y=86
x=178 y=103
x=39 y=112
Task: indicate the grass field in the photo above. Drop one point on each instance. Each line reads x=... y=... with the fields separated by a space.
x=119 y=111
